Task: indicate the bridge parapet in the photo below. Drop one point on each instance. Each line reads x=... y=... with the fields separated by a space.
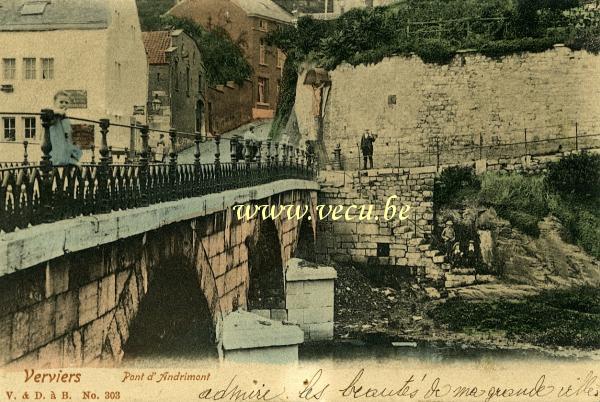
x=34 y=194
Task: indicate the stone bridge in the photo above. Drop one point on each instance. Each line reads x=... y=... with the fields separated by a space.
x=71 y=290
x=101 y=259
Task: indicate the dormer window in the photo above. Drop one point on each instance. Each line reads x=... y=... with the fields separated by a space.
x=263 y=25
x=34 y=7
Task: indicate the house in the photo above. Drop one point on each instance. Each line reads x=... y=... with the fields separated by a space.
x=91 y=49
x=329 y=9
x=248 y=22
x=176 y=81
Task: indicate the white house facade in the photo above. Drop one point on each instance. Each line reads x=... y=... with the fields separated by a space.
x=92 y=49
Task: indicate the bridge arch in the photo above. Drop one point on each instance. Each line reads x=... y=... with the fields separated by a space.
x=306 y=246
x=174 y=317
x=266 y=287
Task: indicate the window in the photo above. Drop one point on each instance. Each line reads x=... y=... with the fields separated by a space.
x=280 y=58
x=29 y=123
x=34 y=7
x=29 y=70
x=158 y=77
x=391 y=99
x=199 y=83
x=10 y=131
x=262 y=52
x=263 y=25
x=9 y=68
x=47 y=69
x=263 y=90
x=383 y=250
x=328 y=6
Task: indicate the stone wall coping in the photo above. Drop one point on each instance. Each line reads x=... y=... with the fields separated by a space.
x=28 y=247
x=301 y=270
x=244 y=330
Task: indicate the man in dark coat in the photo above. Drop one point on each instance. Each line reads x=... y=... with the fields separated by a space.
x=366 y=146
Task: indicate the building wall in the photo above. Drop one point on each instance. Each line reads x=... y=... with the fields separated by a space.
x=474 y=97
x=127 y=69
x=75 y=68
x=109 y=64
x=340 y=6
x=184 y=102
x=247 y=31
x=230 y=105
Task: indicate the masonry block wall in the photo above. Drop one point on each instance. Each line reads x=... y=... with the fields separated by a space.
x=310 y=298
x=410 y=104
x=77 y=309
x=393 y=242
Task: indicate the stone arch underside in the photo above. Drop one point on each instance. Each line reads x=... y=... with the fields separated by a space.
x=266 y=288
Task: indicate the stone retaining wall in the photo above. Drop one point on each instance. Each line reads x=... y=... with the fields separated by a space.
x=393 y=242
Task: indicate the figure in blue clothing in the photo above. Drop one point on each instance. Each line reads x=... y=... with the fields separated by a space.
x=64 y=152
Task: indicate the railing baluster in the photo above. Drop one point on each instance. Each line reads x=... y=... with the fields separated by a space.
x=103 y=168
x=25 y=154
x=45 y=187
x=144 y=167
x=197 y=180
x=173 y=192
x=217 y=173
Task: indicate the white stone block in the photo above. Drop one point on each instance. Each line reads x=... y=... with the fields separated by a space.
x=319 y=332
x=318 y=315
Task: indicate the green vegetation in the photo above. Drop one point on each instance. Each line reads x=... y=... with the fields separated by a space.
x=150 y=12
x=576 y=176
x=435 y=29
x=454 y=185
x=223 y=57
x=570 y=191
x=555 y=317
x=520 y=199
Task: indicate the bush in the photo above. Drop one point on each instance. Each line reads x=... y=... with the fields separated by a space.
x=438 y=51
x=576 y=175
x=520 y=199
x=453 y=184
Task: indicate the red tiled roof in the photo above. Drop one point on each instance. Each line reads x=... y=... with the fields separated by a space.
x=156 y=42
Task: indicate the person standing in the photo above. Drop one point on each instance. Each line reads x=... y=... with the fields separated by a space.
x=366 y=146
x=161 y=149
x=63 y=152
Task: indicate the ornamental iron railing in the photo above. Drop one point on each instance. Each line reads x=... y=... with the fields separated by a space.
x=34 y=194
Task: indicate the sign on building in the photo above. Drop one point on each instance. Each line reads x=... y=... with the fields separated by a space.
x=77 y=98
x=83 y=135
x=139 y=110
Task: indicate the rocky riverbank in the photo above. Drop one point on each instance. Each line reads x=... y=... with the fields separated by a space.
x=405 y=315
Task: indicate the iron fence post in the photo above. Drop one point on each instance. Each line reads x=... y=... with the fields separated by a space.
x=144 y=166
x=103 y=168
x=233 y=142
x=197 y=167
x=25 y=154
x=269 y=153
x=46 y=198
x=174 y=190
x=218 y=162
x=576 y=136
